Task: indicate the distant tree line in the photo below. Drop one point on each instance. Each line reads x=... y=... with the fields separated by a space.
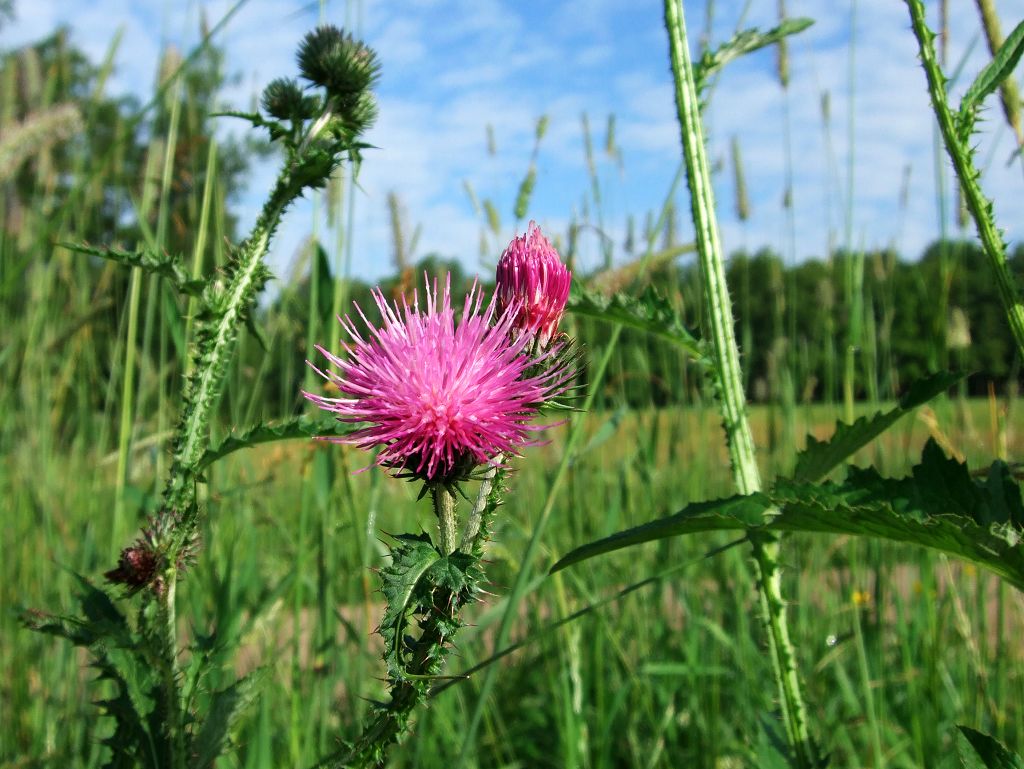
x=899 y=319
x=875 y=317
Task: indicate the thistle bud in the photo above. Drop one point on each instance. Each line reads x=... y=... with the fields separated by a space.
x=531 y=276
x=337 y=61
x=138 y=566
x=284 y=100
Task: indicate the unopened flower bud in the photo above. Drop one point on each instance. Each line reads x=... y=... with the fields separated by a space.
x=337 y=61
x=531 y=276
x=137 y=567
x=284 y=100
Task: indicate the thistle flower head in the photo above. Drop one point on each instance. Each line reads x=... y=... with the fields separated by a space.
x=531 y=277
x=141 y=565
x=439 y=397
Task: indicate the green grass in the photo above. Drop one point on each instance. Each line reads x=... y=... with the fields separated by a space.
x=672 y=674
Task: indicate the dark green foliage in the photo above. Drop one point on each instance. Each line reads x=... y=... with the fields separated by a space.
x=226 y=707
x=125 y=658
x=120 y=656
x=649 y=312
x=166 y=266
x=940 y=505
x=420 y=582
x=980 y=751
x=820 y=457
x=284 y=100
x=299 y=427
x=405 y=592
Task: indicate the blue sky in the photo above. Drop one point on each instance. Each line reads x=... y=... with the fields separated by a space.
x=450 y=69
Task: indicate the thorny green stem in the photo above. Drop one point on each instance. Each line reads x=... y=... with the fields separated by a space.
x=203 y=391
x=211 y=365
x=211 y=356
x=731 y=397
x=447 y=519
x=979 y=206
x=476 y=515
x=392 y=720
x=167 y=642
x=425 y=656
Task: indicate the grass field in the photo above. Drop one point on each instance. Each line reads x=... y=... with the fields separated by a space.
x=896 y=644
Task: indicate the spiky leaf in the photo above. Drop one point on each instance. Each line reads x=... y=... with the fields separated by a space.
x=980 y=751
x=167 y=266
x=119 y=655
x=299 y=427
x=988 y=80
x=404 y=592
x=226 y=707
x=740 y=44
x=940 y=505
x=820 y=457
x=649 y=312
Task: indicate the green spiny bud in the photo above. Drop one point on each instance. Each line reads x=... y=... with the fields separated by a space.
x=284 y=100
x=359 y=112
x=337 y=61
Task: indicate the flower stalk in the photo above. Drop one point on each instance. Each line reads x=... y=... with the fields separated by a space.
x=961 y=155
x=441 y=397
x=729 y=379
x=317 y=133
x=447 y=519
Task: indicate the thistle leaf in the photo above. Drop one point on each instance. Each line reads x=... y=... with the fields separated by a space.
x=166 y=266
x=119 y=655
x=300 y=427
x=649 y=312
x=940 y=505
x=740 y=44
x=820 y=457
x=989 y=79
x=403 y=587
x=980 y=751
x=226 y=707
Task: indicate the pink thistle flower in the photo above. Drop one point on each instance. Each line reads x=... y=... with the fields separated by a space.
x=531 y=275
x=438 y=397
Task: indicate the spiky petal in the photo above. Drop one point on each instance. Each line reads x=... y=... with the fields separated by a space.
x=531 y=275
x=439 y=397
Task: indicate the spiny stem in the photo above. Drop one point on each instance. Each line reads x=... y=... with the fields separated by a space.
x=211 y=362
x=732 y=399
x=977 y=204
x=476 y=515
x=167 y=644
x=392 y=720
x=532 y=548
x=447 y=518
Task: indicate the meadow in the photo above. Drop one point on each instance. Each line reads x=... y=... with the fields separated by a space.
x=653 y=656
